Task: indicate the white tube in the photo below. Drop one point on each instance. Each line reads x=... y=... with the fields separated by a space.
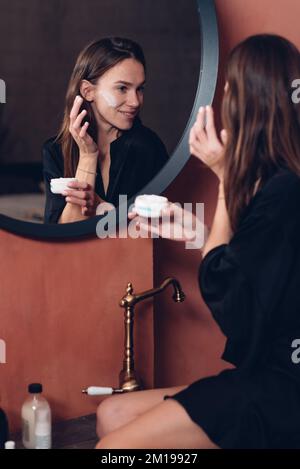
x=98 y=391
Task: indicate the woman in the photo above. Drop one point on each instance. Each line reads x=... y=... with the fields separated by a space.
x=249 y=276
x=102 y=141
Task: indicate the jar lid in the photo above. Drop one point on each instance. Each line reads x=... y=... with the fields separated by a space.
x=10 y=445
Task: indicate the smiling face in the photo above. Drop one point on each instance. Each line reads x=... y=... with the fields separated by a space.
x=118 y=95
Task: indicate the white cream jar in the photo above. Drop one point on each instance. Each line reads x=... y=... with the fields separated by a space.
x=59 y=185
x=150 y=206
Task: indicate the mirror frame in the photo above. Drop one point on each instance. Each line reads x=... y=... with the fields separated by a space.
x=209 y=40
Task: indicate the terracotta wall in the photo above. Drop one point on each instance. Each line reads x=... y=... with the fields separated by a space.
x=61 y=321
x=188 y=342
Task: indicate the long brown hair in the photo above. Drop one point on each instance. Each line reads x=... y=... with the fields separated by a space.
x=93 y=61
x=262 y=122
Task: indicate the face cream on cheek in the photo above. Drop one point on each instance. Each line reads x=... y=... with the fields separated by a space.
x=150 y=206
x=109 y=98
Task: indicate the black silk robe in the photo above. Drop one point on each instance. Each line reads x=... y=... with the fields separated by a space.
x=252 y=288
x=136 y=157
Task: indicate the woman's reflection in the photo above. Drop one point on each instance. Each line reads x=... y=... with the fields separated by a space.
x=102 y=142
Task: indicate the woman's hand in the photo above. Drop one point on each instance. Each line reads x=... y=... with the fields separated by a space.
x=78 y=131
x=82 y=194
x=205 y=144
x=175 y=223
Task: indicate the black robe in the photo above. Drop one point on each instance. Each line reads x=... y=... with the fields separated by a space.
x=136 y=157
x=252 y=287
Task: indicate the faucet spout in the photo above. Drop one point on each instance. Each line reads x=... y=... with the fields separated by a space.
x=178 y=295
x=131 y=299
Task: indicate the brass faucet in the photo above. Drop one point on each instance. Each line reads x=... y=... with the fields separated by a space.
x=128 y=378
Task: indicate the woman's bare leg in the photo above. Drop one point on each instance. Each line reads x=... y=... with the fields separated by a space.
x=120 y=409
x=167 y=425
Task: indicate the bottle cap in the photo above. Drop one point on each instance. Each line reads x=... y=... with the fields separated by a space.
x=10 y=445
x=35 y=388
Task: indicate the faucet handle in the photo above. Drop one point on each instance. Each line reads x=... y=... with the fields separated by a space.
x=128 y=297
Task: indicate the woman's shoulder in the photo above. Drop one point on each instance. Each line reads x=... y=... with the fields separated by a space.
x=282 y=186
x=52 y=144
x=284 y=178
x=278 y=198
x=145 y=136
x=53 y=160
x=51 y=148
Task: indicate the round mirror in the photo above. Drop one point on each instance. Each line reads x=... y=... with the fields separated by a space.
x=39 y=48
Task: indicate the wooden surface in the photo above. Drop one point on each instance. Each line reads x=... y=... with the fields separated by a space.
x=70 y=434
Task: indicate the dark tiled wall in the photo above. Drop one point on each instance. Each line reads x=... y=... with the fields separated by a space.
x=39 y=42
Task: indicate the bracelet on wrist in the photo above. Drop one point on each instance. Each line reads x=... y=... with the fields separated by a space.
x=86 y=171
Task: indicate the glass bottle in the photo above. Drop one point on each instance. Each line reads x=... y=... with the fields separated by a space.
x=36 y=419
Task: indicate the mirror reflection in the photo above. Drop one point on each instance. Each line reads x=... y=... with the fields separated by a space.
x=93 y=110
x=102 y=144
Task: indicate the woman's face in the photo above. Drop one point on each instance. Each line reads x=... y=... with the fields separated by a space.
x=119 y=94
